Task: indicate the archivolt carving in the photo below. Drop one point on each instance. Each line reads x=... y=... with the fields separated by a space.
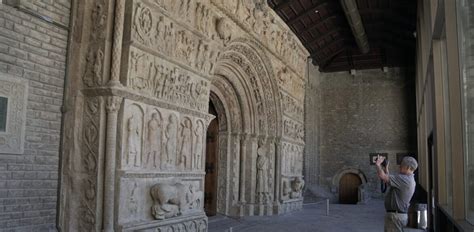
x=257 y=18
x=259 y=75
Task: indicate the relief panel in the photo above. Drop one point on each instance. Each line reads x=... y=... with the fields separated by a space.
x=155 y=77
x=154 y=30
x=151 y=200
x=258 y=19
x=293 y=130
x=161 y=139
x=291 y=107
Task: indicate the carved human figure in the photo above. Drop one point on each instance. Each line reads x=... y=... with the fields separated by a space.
x=133 y=141
x=154 y=141
x=186 y=145
x=171 y=134
x=262 y=172
x=198 y=142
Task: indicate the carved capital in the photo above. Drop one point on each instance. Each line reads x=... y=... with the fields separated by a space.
x=113 y=104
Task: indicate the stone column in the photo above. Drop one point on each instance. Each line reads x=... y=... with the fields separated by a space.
x=113 y=105
x=278 y=172
x=117 y=44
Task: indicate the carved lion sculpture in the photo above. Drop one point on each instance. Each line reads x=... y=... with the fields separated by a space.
x=169 y=200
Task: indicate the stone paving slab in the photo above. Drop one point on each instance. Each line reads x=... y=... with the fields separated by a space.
x=342 y=218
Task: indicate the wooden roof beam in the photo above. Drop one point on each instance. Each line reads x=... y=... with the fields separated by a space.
x=308 y=12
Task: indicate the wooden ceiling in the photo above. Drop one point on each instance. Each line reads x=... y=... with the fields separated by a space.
x=322 y=27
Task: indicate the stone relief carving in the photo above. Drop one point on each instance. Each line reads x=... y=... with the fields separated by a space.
x=171 y=135
x=292 y=159
x=258 y=19
x=199 y=225
x=185 y=146
x=159 y=33
x=293 y=129
x=292 y=188
x=256 y=72
x=198 y=145
x=155 y=134
x=88 y=201
x=171 y=200
x=93 y=71
x=263 y=193
x=155 y=77
x=134 y=136
x=15 y=90
x=291 y=107
x=297 y=186
x=291 y=83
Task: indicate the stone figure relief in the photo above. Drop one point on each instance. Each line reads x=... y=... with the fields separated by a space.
x=198 y=145
x=262 y=172
x=171 y=134
x=93 y=70
x=174 y=199
x=133 y=141
x=155 y=77
x=297 y=186
x=185 y=147
x=155 y=132
x=143 y=23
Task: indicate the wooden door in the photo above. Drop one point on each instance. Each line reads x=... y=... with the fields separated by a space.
x=348 y=188
x=210 y=188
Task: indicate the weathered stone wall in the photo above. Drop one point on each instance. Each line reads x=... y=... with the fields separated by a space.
x=32 y=58
x=362 y=114
x=134 y=137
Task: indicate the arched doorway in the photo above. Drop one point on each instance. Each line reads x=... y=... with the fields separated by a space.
x=349 y=188
x=245 y=96
x=212 y=148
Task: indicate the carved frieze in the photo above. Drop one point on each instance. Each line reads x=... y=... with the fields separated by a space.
x=291 y=107
x=155 y=77
x=156 y=31
x=293 y=130
x=160 y=139
x=290 y=83
x=292 y=164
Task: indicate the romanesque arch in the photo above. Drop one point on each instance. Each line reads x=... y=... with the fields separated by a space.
x=244 y=92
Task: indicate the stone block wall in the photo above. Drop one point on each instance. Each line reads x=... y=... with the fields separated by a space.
x=369 y=112
x=33 y=53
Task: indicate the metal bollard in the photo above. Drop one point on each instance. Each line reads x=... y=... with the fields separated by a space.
x=327 y=207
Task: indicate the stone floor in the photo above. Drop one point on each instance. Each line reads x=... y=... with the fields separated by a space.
x=342 y=218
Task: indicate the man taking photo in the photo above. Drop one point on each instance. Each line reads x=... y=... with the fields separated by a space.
x=402 y=187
